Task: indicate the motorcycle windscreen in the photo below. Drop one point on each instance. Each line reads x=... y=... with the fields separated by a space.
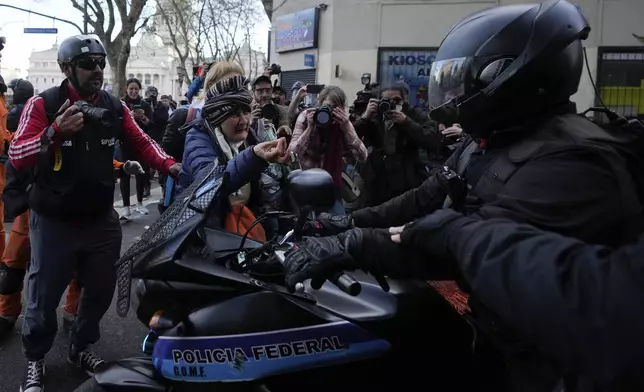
x=167 y=234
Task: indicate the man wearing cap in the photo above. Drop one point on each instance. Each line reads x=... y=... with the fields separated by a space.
x=263 y=96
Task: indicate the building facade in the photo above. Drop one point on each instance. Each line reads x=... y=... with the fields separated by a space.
x=338 y=41
x=153 y=67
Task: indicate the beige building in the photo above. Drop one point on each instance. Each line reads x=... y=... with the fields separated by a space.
x=336 y=41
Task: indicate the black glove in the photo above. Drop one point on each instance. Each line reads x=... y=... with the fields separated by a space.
x=322 y=258
x=328 y=224
x=429 y=236
x=318 y=259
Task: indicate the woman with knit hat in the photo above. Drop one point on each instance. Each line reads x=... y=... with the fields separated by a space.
x=220 y=133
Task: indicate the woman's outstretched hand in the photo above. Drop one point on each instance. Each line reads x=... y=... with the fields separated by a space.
x=273 y=151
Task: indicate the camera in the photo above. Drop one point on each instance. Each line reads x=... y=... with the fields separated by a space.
x=363 y=97
x=323 y=116
x=385 y=105
x=97 y=115
x=275 y=69
x=269 y=111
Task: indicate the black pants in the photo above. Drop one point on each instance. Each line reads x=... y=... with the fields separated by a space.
x=142 y=181
x=58 y=249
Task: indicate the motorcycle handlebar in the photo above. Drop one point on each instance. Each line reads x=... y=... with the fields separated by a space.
x=343 y=281
x=347 y=284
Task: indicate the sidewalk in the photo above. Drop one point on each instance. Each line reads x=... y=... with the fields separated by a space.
x=149 y=203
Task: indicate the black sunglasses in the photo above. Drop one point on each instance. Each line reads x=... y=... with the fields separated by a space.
x=90 y=63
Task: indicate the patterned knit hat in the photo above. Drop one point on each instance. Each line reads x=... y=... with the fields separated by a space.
x=225 y=98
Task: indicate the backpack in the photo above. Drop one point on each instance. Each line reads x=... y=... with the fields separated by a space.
x=19 y=182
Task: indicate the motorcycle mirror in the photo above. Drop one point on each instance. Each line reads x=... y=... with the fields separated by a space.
x=311 y=190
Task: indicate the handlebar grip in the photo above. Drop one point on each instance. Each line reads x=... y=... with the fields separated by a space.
x=347 y=284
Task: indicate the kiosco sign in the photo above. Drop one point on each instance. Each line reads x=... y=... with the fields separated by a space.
x=411 y=66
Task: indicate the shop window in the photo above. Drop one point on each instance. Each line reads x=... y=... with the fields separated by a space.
x=409 y=65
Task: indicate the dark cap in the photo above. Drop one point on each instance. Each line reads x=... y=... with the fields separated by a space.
x=262 y=79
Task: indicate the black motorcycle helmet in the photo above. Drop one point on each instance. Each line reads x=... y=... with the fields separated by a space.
x=502 y=66
x=76 y=46
x=22 y=90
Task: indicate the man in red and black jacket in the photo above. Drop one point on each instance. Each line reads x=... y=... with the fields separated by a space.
x=67 y=136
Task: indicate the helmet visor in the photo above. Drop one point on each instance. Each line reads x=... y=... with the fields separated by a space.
x=446 y=81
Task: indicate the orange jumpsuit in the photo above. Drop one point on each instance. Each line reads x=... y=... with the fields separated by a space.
x=17 y=255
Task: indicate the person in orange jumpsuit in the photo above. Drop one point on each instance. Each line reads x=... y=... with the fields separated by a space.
x=16 y=257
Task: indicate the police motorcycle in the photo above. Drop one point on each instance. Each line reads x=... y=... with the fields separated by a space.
x=220 y=317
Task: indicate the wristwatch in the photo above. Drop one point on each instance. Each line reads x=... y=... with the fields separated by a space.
x=46 y=139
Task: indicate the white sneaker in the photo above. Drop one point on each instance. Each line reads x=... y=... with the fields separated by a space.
x=141 y=209
x=127 y=214
x=34 y=377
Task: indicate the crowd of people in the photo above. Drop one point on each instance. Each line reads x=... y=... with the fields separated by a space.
x=503 y=190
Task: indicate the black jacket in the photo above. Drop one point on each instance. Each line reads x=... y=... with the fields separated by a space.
x=13 y=117
x=547 y=191
x=76 y=181
x=159 y=118
x=173 y=138
x=394 y=165
x=582 y=304
x=578 y=189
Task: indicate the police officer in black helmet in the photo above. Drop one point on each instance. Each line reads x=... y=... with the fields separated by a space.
x=67 y=134
x=22 y=91
x=506 y=75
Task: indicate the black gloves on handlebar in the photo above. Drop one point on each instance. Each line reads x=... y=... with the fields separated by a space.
x=328 y=224
x=323 y=258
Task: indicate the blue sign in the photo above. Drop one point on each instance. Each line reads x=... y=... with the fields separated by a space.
x=410 y=66
x=296 y=31
x=309 y=60
x=40 y=30
x=255 y=356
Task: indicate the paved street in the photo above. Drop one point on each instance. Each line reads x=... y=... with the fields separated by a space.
x=121 y=337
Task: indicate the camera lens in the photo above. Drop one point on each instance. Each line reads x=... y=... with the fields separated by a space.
x=384 y=106
x=322 y=117
x=269 y=111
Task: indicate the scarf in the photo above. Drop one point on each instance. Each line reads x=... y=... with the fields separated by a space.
x=333 y=148
x=223 y=100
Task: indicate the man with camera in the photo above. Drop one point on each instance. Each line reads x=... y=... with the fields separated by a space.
x=67 y=136
x=394 y=132
x=269 y=121
x=263 y=107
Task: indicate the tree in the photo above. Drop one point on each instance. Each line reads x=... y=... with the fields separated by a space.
x=183 y=20
x=213 y=29
x=102 y=17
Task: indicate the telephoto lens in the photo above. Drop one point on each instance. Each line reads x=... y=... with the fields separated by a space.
x=97 y=115
x=323 y=116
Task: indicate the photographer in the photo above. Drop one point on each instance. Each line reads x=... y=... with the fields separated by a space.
x=395 y=132
x=279 y=96
x=67 y=134
x=323 y=134
x=142 y=112
x=263 y=107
